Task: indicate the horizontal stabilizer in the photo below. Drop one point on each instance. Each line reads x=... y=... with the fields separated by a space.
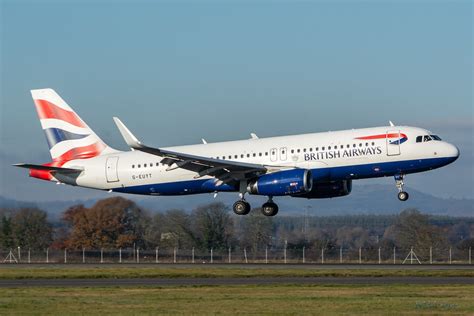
x=47 y=168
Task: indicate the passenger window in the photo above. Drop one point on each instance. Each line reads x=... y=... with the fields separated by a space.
x=366 y=144
x=138 y=166
x=304 y=150
x=310 y=149
x=373 y=143
x=133 y=166
x=354 y=145
x=260 y=154
x=317 y=148
x=236 y=156
x=348 y=145
x=322 y=148
x=360 y=145
x=266 y=153
x=248 y=155
x=144 y=165
x=242 y=156
x=292 y=151
x=329 y=147
x=254 y=154
x=297 y=150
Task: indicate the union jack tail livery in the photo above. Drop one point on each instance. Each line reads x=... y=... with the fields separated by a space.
x=68 y=136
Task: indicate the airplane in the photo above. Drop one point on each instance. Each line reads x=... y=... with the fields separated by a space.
x=312 y=166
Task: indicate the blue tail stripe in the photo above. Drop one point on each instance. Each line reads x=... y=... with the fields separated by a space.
x=56 y=135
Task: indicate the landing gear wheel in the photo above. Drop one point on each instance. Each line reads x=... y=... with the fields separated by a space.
x=403 y=196
x=269 y=209
x=241 y=207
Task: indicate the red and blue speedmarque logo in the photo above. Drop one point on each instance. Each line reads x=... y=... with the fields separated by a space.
x=393 y=138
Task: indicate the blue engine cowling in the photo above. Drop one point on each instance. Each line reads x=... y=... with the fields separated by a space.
x=288 y=182
x=328 y=190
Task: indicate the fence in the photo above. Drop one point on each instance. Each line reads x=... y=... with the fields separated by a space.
x=235 y=255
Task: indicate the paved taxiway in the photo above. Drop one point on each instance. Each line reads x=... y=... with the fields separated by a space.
x=232 y=281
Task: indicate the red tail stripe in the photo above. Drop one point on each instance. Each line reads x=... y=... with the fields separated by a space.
x=82 y=152
x=47 y=110
x=75 y=153
x=380 y=136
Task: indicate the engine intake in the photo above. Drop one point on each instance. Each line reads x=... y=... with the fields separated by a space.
x=288 y=182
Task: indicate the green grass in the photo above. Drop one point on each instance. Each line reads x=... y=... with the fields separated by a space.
x=279 y=299
x=95 y=272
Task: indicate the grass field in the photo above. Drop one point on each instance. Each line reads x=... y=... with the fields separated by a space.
x=279 y=299
x=93 y=272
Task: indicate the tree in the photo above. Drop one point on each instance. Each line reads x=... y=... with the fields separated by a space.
x=212 y=226
x=256 y=230
x=413 y=229
x=111 y=223
x=6 y=235
x=352 y=237
x=31 y=228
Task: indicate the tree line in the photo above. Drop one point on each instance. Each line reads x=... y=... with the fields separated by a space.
x=120 y=223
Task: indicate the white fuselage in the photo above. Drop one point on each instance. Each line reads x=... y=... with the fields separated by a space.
x=332 y=156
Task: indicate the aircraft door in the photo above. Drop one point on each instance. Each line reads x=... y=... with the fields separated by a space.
x=283 y=153
x=273 y=154
x=393 y=142
x=111 y=170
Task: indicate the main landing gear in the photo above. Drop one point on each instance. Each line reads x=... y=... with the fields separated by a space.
x=242 y=207
x=402 y=195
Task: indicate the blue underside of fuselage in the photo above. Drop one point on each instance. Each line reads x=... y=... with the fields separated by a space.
x=365 y=171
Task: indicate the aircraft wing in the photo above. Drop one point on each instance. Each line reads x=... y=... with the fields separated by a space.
x=225 y=171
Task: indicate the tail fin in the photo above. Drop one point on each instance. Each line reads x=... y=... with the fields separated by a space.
x=67 y=134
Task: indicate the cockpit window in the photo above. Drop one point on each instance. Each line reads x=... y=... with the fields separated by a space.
x=427 y=138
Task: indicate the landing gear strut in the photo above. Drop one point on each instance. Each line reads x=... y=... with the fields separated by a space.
x=402 y=195
x=269 y=208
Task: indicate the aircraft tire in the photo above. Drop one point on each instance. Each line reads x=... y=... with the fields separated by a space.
x=269 y=209
x=403 y=196
x=241 y=207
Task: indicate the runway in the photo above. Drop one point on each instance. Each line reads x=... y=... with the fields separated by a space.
x=233 y=281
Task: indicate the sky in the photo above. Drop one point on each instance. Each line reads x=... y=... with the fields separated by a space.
x=179 y=71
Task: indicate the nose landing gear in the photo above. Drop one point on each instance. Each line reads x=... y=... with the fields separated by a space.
x=402 y=195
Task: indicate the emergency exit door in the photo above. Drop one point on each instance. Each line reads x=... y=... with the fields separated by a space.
x=111 y=170
x=393 y=142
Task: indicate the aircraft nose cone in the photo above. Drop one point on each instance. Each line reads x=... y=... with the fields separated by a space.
x=452 y=152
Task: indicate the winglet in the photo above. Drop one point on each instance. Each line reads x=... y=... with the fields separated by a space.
x=129 y=138
x=391 y=124
x=253 y=136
